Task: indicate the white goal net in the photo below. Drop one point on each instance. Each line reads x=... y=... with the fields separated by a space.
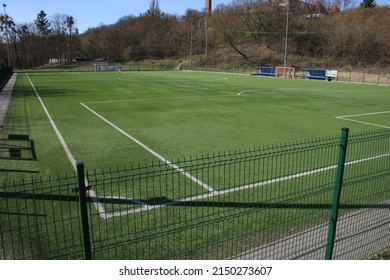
x=107 y=67
x=285 y=72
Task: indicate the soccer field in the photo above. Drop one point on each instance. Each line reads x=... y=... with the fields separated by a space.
x=178 y=161
x=124 y=118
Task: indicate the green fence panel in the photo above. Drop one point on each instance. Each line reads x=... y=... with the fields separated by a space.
x=266 y=203
x=39 y=219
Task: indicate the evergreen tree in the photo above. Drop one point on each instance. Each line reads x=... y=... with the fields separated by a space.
x=69 y=25
x=368 y=4
x=43 y=25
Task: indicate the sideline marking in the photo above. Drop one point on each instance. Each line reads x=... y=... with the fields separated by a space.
x=348 y=118
x=56 y=130
x=160 y=157
x=92 y=194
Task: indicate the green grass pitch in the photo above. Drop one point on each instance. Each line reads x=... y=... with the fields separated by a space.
x=116 y=119
x=110 y=119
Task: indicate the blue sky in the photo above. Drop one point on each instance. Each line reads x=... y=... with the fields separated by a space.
x=92 y=13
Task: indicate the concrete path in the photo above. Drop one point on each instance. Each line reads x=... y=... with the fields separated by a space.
x=5 y=97
x=359 y=234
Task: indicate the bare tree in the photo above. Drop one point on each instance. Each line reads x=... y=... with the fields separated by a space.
x=344 y=5
x=231 y=28
x=58 y=36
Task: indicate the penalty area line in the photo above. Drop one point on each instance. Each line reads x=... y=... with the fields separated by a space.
x=348 y=118
x=154 y=153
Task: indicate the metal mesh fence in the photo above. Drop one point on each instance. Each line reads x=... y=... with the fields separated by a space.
x=5 y=74
x=38 y=220
x=364 y=224
x=267 y=203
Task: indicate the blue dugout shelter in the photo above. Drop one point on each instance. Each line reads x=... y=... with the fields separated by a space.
x=265 y=71
x=319 y=74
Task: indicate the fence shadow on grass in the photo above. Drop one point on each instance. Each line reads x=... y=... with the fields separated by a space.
x=163 y=201
x=22 y=214
x=38 y=196
x=19 y=171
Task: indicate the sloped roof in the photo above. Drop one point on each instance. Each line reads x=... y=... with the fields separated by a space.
x=320 y=8
x=334 y=9
x=306 y=8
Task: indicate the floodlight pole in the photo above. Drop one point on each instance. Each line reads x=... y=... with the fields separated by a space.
x=286 y=41
x=6 y=29
x=206 y=29
x=191 y=45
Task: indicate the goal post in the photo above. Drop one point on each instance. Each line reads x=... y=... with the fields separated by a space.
x=107 y=67
x=285 y=72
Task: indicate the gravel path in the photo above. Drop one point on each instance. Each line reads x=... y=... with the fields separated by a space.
x=359 y=235
x=5 y=97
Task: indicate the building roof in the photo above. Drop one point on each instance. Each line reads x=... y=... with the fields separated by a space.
x=334 y=9
x=305 y=8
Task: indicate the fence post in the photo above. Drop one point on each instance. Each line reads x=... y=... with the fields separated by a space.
x=337 y=193
x=82 y=191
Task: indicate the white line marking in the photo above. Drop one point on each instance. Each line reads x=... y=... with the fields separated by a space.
x=157 y=155
x=367 y=123
x=56 y=130
x=366 y=114
x=348 y=118
x=245 y=91
x=298 y=89
x=235 y=189
x=367 y=159
x=70 y=156
x=104 y=215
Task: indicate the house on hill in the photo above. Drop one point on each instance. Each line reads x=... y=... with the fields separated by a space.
x=311 y=10
x=334 y=10
x=307 y=10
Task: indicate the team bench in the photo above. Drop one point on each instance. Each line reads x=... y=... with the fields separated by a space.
x=265 y=71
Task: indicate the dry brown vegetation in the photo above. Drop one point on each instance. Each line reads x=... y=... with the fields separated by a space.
x=383 y=255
